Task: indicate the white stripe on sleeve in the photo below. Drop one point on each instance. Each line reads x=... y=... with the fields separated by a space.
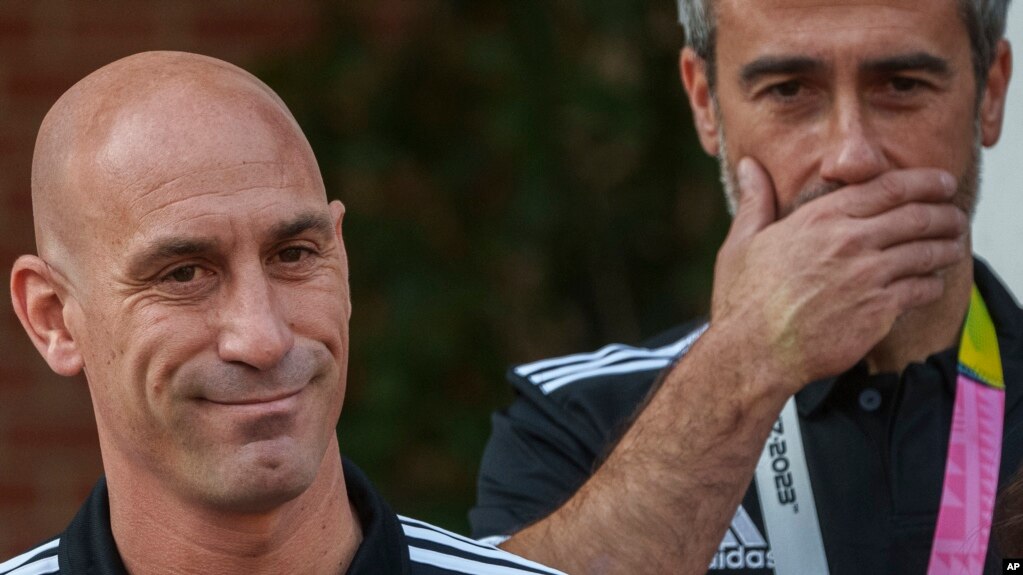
x=475 y=549
x=632 y=366
x=416 y=529
x=531 y=368
x=40 y=567
x=609 y=360
x=463 y=565
x=494 y=540
x=669 y=351
x=24 y=557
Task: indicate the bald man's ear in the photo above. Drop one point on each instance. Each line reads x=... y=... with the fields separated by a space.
x=41 y=311
x=705 y=118
x=337 y=212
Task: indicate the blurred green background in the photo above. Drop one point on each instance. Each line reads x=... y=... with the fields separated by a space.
x=522 y=180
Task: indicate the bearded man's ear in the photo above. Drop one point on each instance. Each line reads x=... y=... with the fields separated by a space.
x=693 y=70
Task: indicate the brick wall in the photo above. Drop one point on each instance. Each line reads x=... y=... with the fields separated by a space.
x=49 y=455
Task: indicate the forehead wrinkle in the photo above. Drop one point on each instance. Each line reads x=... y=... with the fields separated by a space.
x=142 y=221
x=282 y=177
x=140 y=228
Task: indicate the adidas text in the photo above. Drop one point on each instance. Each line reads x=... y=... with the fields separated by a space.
x=742 y=558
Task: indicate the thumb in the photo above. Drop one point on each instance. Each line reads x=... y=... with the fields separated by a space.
x=756 y=208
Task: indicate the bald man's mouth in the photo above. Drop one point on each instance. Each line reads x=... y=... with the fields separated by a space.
x=259 y=400
x=210 y=381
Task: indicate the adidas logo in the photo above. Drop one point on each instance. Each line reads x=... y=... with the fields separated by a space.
x=743 y=547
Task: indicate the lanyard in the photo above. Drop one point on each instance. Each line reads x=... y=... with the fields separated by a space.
x=786 y=499
x=971 y=470
x=974 y=450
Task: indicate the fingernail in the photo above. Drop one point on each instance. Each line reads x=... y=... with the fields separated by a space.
x=948 y=182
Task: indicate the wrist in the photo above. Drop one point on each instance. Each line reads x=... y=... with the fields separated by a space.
x=757 y=375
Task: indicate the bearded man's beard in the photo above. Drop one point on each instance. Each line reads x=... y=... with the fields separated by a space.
x=965 y=198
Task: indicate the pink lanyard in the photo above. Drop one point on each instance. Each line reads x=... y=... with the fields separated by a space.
x=974 y=450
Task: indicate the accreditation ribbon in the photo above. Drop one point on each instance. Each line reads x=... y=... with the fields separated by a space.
x=971 y=470
x=974 y=450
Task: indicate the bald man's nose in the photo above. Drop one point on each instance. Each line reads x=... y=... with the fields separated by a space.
x=254 y=330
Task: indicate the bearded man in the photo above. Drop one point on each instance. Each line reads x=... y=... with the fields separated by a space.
x=852 y=404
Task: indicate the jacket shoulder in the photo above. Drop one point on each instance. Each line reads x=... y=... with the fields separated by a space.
x=612 y=364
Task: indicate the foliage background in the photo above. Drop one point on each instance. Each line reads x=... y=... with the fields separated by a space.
x=522 y=180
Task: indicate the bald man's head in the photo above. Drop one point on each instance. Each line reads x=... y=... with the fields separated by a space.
x=190 y=264
x=130 y=123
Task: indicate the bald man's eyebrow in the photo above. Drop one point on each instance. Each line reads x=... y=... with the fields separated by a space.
x=915 y=61
x=172 y=248
x=315 y=222
x=779 y=66
x=167 y=249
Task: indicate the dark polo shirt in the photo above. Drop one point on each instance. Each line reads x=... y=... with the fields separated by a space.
x=875 y=445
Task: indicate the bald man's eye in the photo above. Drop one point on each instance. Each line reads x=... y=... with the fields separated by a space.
x=182 y=275
x=295 y=255
x=186 y=281
x=294 y=261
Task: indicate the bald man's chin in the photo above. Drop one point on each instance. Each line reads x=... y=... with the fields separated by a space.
x=260 y=478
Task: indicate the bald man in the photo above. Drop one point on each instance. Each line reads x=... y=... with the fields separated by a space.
x=190 y=265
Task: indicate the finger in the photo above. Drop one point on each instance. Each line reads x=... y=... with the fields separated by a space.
x=912 y=222
x=921 y=258
x=916 y=291
x=895 y=188
x=756 y=208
